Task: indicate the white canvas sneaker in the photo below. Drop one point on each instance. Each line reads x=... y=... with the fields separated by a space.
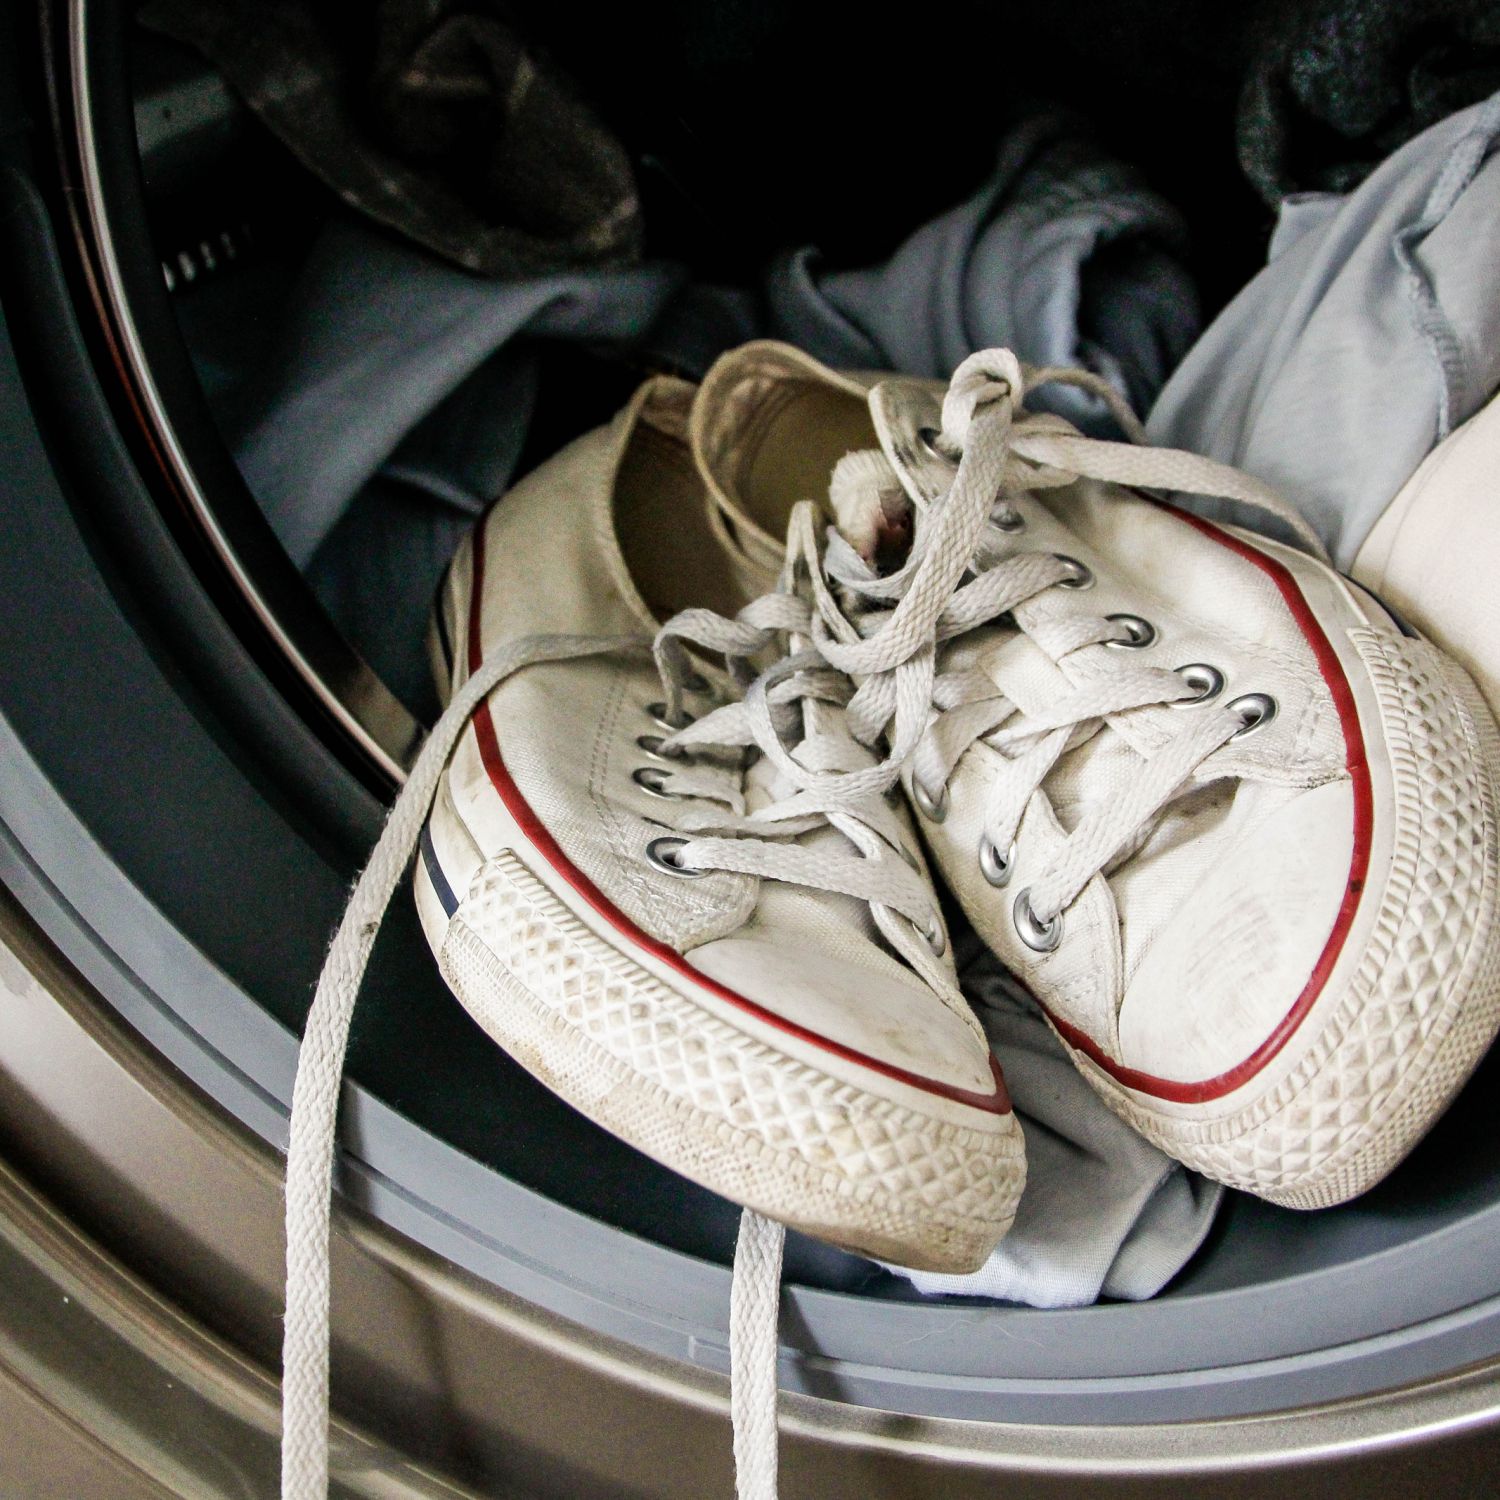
x=742 y=974
x=738 y=966
x=1223 y=816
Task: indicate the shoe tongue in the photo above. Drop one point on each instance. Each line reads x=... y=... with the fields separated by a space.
x=875 y=512
x=768 y=425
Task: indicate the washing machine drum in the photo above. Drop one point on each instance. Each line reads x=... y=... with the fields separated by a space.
x=198 y=759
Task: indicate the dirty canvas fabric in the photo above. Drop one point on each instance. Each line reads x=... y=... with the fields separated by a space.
x=1104 y=1214
x=1372 y=334
x=433 y=117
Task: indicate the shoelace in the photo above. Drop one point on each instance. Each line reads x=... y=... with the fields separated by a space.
x=965 y=571
x=779 y=715
x=791 y=714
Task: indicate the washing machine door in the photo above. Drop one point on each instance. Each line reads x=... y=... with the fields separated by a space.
x=194 y=764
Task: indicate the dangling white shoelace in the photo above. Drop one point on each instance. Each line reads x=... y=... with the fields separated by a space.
x=754 y=1293
x=773 y=718
x=964 y=572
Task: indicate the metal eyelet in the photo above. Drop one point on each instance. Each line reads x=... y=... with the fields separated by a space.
x=653 y=781
x=1207 y=681
x=930 y=438
x=652 y=745
x=659 y=857
x=657 y=713
x=994 y=866
x=1139 y=633
x=1040 y=937
x=1007 y=518
x=1081 y=577
x=933 y=935
x=1254 y=710
x=934 y=809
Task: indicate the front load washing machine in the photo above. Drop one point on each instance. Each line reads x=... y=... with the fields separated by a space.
x=193 y=762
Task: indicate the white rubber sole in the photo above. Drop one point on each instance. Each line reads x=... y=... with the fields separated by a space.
x=839 y=1152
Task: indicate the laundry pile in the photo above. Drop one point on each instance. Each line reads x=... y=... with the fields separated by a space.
x=920 y=770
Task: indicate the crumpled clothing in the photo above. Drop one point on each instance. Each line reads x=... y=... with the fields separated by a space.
x=1063 y=255
x=375 y=348
x=392 y=368
x=1371 y=335
x=393 y=407
x=1335 y=86
x=433 y=118
x=1104 y=1212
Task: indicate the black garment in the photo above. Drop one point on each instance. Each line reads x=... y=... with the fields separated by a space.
x=1335 y=86
x=434 y=118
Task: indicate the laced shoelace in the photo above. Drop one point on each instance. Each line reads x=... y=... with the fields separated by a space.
x=967 y=570
x=782 y=715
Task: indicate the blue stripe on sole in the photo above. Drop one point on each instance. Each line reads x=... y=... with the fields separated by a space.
x=440 y=886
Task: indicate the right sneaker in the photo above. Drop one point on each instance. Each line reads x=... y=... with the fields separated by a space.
x=1232 y=823
x=734 y=961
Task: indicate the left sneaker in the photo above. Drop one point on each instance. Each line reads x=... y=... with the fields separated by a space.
x=737 y=965
x=704 y=923
x=1228 y=820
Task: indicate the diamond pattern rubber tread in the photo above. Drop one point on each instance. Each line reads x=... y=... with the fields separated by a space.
x=1424 y=1001
x=721 y=1106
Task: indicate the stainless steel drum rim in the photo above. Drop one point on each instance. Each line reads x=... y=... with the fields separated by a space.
x=67 y=1027
x=346 y=688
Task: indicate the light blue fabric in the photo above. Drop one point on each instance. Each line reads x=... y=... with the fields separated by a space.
x=379 y=337
x=1062 y=255
x=1373 y=332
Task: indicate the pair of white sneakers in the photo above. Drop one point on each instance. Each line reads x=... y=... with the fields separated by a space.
x=1228 y=820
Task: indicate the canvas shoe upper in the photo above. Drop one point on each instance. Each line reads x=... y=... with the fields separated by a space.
x=1229 y=822
x=743 y=973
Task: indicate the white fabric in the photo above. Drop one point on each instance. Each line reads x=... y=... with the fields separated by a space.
x=1435 y=554
x=1001 y=452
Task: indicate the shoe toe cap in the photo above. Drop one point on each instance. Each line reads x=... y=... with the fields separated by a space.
x=861 y=1003
x=1242 y=951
